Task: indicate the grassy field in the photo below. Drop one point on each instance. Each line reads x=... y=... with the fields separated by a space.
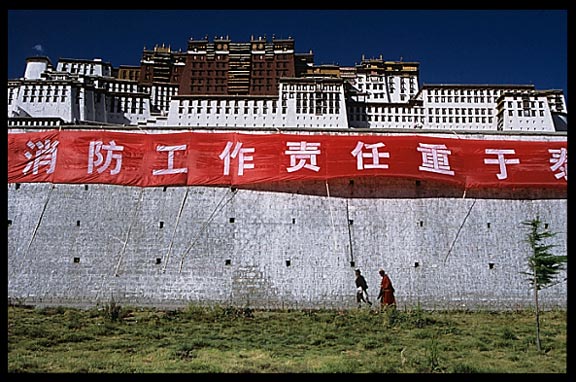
x=117 y=339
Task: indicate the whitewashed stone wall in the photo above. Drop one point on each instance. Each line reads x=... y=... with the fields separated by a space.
x=277 y=246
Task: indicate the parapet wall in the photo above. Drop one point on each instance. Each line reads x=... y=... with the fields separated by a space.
x=292 y=245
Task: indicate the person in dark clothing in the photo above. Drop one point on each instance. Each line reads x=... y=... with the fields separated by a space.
x=361 y=289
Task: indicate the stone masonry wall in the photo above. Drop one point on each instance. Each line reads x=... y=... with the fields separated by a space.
x=291 y=245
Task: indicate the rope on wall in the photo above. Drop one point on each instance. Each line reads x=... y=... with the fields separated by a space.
x=459 y=229
x=129 y=230
x=332 y=218
x=35 y=229
x=219 y=206
x=349 y=232
x=40 y=219
x=174 y=232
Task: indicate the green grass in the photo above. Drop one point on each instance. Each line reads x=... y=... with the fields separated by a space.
x=231 y=340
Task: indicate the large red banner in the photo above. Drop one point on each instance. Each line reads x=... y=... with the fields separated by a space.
x=231 y=158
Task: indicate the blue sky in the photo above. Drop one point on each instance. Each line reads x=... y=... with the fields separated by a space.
x=452 y=46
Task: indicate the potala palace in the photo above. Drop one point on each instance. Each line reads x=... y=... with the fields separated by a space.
x=244 y=174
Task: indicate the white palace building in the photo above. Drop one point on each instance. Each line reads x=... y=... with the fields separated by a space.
x=173 y=89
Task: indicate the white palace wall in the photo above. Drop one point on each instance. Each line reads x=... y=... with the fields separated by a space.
x=291 y=245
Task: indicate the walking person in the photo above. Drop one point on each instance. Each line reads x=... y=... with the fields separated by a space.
x=386 y=295
x=361 y=289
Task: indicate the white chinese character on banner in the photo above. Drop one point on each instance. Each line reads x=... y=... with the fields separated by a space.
x=170 y=169
x=503 y=174
x=435 y=158
x=242 y=157
x=301 y=152
x=373 y=153
x=96 y=159
x=45 y=154
x=560 y=162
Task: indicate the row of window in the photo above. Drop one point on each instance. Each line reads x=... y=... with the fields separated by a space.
x=160 y=90
x=408 y=118
x=386 y=110
x=462 y=99
x=391 y=88
x=200 y=89
x=39 y=89
x=257 y=109
x=54 y=98
x=317 y=95
x=124 y=87
x=126 y=105
x=383 y=118
x=311 y=87
x=133 y=75
x=438 y=111
x=525 y=104
x=120 y=104
x=381 y=78
x=225 y=80
x=463 y=119
x=199 y=75
x=33 y=122
x=226 y=103
x=526 y=113
x=485 y=92
x=268 y=73
x=283 y=58
x=322 y=110
x=457 y=111
x=79 y=68
x=210 y=65
x=271 y=65
x=431 y=111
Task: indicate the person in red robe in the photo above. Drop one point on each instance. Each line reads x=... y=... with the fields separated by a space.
x=386 y=295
